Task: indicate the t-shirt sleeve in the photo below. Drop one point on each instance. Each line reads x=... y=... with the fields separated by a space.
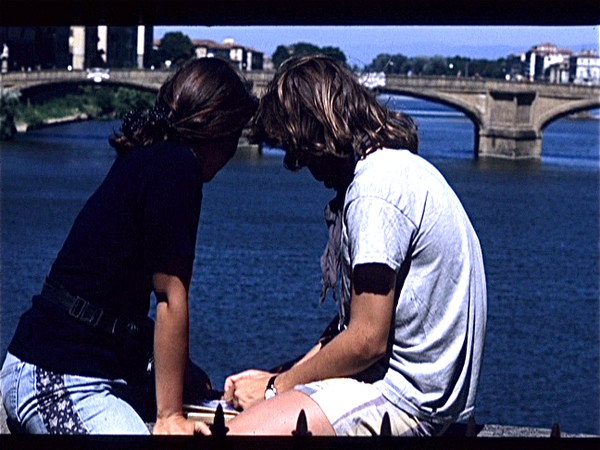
x=378 y=232
x=171 y=210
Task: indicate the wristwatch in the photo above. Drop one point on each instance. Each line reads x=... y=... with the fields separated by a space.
x=270 y=391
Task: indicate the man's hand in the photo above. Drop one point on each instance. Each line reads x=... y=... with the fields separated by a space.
x=177 y=424
x=246 y=388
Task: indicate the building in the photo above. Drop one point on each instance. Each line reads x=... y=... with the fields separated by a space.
x=559 y=72
x=543 y=62
x=584 y=68
x=515 y=67
x=34 y=48
x=112 y=47
x=76 y=47
x=245 y=58
x=541 y=57
x=210 y=49
x=546 y=62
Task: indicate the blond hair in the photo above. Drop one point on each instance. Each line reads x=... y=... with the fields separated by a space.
x=314 y=106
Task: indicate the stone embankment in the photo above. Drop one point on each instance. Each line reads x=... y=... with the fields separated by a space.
x=23 y=127
x=246 y=150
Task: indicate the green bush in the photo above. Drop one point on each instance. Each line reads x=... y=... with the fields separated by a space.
x=130 y=99
x=96 y=102
x=8 y=103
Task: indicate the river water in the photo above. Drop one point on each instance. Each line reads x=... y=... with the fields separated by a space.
x=257 y=278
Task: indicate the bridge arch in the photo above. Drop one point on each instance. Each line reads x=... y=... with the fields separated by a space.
x=472 y=113
x=468 y=110
x=31 y=89
x=565 y=110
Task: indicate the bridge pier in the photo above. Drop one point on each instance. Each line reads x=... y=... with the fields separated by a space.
x=508 y=130
x=509 y=143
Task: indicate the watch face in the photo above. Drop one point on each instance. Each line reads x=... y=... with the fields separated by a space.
x=269 y=393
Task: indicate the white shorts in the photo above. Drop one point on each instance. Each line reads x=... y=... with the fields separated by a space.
x=355 y=408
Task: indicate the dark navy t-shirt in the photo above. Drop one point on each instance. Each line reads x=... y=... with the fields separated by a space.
x=143 y=219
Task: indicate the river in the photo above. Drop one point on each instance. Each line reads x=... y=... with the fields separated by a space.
x=256 y=279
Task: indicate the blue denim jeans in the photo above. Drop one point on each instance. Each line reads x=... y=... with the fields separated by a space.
x=41 y=402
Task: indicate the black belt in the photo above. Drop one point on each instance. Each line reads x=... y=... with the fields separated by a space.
x=83 y=310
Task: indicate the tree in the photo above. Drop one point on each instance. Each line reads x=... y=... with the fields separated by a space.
x=436 y=65
x=8 y=102
x=418 y=64
x=126 y=99
x=176 y=47
x=303 y=49
x=379 y=64
x=398 y=64
x=280 y=55
x=387 y=63
x=155 y=58
x=458 y=65
x=334 y=53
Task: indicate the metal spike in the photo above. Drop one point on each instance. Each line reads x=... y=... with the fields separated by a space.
x=471 y=427
x=218 y=427
x=386 y=427
x=301 y=425
x=555 y=433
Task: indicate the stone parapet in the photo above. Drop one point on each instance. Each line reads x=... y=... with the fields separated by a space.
x=485 y=431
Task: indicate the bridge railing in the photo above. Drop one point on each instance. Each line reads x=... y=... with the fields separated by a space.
x=155 y=76
x=473 y=83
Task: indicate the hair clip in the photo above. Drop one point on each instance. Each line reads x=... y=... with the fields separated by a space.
x=134 y=120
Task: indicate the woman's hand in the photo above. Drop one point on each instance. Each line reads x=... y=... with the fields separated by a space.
x=246 y=388
x=177 y=424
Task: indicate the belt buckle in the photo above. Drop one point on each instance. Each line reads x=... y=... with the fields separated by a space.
x=77 y=308
x=85 y=312
x=94 y=319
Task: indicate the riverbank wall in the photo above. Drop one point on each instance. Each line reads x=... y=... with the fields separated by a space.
x=23 y=127
x=246 y=150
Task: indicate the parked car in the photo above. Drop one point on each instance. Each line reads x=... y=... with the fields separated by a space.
x=98 y=74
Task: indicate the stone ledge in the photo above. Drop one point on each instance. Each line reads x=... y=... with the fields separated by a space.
x=506 y=431
x=485 y=431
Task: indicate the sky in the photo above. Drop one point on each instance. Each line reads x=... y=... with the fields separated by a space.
x=362 y=44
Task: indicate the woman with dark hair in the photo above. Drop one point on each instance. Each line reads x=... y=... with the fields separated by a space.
x=87 y=339
x=412 y=301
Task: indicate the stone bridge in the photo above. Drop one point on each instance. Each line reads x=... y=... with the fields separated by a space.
x=509 y=117
x=149 y=80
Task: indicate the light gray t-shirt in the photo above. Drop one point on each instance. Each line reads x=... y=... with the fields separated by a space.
x=400 y=211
